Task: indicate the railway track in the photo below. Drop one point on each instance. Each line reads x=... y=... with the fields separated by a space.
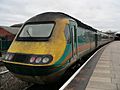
x=30 y=85
x=4 y=72
x=3 y=69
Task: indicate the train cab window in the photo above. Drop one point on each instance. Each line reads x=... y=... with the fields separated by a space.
x=36 y=31
x=67 y=33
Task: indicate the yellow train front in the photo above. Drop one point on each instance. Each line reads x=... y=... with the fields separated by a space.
x=47 y=45
x=37 y=53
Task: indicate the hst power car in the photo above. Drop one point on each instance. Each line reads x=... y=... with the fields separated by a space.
x=48 y=44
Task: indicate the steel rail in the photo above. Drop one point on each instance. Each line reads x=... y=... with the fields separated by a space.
x=4 y=72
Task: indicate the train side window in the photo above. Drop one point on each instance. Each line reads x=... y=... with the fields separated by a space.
x=67 y=33
x=81 y=35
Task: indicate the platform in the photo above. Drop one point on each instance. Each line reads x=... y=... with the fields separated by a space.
x=102 y=72
x=106 y=75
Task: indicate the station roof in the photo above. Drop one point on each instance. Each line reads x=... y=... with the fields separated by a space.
x=12 y=30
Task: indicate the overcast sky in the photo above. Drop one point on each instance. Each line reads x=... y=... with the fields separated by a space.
x=100 y=14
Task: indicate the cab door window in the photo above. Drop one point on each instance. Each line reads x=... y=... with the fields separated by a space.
x=67 y=33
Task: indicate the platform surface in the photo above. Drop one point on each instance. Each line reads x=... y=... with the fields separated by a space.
x=102 y=72
x=106 y=75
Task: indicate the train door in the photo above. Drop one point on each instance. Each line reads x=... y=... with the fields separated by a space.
x=96 y=40
x=93 y=43
x=73 y=34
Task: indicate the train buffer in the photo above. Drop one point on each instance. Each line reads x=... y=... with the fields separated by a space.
x=102 y=72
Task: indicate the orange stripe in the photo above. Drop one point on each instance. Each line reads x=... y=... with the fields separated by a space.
x=80 y=49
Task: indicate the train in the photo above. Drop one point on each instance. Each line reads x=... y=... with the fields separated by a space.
x=48 y=44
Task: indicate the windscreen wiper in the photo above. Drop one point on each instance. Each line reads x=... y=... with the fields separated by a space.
x=28 y=33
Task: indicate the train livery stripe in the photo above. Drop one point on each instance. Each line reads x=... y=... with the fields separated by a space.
x=68 y=52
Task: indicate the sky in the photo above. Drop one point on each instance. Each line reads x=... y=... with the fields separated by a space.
x=103 y=15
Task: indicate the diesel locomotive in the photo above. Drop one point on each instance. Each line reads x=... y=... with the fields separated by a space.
x=48 y=44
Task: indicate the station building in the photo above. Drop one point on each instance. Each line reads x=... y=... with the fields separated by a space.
x=7 y=35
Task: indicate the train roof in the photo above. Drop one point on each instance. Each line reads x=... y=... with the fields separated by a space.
x=49 y=16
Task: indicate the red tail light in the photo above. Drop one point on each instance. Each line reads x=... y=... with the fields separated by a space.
x=32 y=59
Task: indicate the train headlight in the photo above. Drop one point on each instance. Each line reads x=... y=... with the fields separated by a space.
x=45 y=60
x=32 y=59
x=8 y=56
x=38 y=60
x=41 y=59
